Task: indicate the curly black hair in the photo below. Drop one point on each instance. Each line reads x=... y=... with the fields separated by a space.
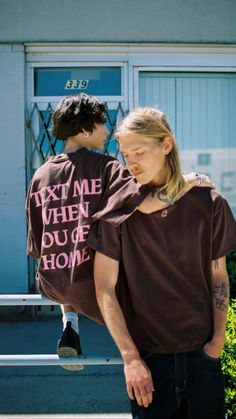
x=76 y=113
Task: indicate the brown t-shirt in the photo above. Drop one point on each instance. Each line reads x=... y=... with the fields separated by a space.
x=164 y=287
x=64 y=195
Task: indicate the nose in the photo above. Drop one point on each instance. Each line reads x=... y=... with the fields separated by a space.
x=131 y=165
x=130 y=162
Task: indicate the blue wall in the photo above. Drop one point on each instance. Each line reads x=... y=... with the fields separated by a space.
x=13 y=261
x=195 y=21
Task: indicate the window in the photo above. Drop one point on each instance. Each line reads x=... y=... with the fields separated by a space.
x=98 y=81
x=204 y=159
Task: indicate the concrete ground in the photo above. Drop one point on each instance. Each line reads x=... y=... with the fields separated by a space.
x=51 y=390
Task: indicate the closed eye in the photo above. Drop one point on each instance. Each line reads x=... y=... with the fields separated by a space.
x=138 y=153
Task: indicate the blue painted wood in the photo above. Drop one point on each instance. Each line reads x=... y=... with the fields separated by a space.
x=201 y=110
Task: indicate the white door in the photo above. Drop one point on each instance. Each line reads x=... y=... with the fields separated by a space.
x=201 y=108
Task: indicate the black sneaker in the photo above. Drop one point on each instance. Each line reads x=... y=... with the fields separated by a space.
x=69 y=345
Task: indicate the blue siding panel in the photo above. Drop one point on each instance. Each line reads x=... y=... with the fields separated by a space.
x=201 y=108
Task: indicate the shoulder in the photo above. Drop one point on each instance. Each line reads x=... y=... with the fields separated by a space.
x=207 y=200
x=205 y=194
x=218 y=201
x=41 y=172
x=216 y=196
x=213 y=200
x=102 y=159
x=107 y=166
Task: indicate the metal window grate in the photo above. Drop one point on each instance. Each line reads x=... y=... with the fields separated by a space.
x=41 y=144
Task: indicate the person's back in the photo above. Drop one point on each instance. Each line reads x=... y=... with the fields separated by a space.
x=65 y=193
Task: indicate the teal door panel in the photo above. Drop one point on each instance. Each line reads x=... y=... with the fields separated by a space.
x=159 y=92
x=201 y=108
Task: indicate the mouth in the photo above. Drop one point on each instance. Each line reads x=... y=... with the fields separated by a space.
x=137 y=173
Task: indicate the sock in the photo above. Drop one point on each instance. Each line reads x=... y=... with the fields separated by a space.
x=73 y=318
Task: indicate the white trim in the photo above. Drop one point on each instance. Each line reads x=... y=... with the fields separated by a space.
x=137 y=54
x=188 y=69
x=55 y=99
x=136 y=87
x=125 y=86
x=77 y=63
x=124 y=48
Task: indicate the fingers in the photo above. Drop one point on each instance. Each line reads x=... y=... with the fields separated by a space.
x=139 y=382
x=204 y=180
x=130 y=391
x=142 y=393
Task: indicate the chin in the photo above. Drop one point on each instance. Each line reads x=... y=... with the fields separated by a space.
x=141 y=180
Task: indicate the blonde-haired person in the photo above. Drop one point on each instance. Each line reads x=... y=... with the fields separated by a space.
x=161 y=281
x=153 y=123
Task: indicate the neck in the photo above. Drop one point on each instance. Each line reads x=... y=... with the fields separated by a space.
x=161 y=177
x=68 y=149
x=71 y=146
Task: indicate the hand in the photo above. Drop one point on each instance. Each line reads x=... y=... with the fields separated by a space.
x=198 y=179
x=213 y=348
x=139 y=382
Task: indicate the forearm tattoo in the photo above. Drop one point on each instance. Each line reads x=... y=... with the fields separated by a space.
x=221 y=293
x=216 y=264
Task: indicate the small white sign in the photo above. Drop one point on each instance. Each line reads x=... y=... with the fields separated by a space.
x=76 y=84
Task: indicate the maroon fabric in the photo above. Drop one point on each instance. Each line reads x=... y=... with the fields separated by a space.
x=165 y=281
x=65 y=193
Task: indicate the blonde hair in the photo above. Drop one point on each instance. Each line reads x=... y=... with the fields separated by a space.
x=152 y=123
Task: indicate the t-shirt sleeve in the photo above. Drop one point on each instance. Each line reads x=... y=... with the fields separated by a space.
x=105 y=238
x=224 y=227
x=121 y=194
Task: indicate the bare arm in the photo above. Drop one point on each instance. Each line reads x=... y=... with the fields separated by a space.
x=155 y=202
x=220 y=299
x=137 y=375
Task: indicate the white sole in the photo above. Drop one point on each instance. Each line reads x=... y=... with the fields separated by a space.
x=67 y=352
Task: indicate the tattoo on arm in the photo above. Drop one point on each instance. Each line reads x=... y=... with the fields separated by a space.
x=221 y=293
x=221 y=305
x=216 y=264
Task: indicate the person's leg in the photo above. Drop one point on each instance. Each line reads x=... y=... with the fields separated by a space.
x=181 y=412
x=69 y=342
x=69 y=314
x=164 y=403
x=205 y=389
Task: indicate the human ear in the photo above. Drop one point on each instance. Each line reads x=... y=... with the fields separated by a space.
x=168 y=145
x=85 y=133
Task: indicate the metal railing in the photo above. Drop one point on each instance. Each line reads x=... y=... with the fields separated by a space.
x=36 y=360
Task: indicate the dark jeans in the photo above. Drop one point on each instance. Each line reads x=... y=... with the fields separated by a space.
x=187 y=386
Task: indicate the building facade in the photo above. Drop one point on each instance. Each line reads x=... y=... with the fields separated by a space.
x=179 y=55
